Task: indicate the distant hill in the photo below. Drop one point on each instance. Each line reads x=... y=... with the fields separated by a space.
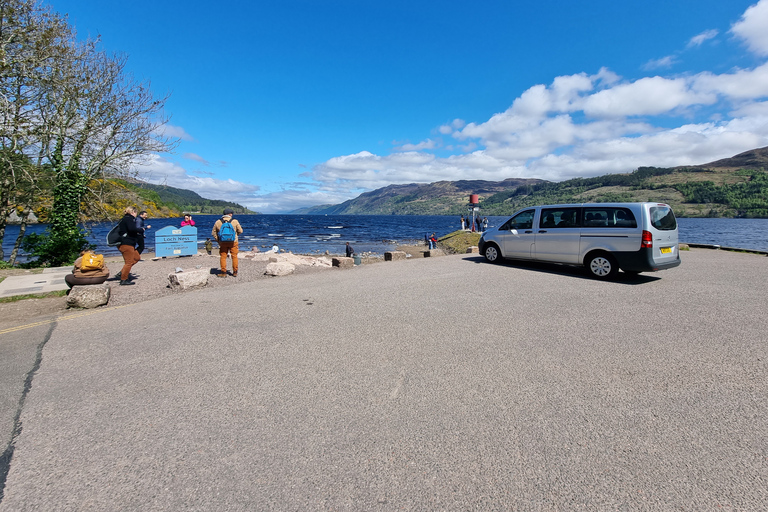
x=186 y=200
x=439 y=198
x=732 y=187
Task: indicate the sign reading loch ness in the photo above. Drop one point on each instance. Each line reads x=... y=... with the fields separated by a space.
x=173 y=241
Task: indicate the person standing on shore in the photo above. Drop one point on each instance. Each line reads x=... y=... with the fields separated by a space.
x=350 y=251
x=225 y=232
x=128 y=239
x=187 y=221
x=462 y=223
x=140 y=227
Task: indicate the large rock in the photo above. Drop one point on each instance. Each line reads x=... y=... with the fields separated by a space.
x=88 y=296
x=473 y=249
x=343 y=262
x=279 y=268
x=186 y=280
x=432 y=253
x=394 y=255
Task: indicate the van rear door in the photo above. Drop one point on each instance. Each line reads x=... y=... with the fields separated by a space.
x=662 y=225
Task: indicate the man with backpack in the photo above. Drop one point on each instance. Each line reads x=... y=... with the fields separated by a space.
x=225 y=232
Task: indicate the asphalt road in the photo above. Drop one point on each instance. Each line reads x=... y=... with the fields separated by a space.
x=434 y=384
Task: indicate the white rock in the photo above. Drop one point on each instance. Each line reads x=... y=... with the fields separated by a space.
x=88 y=296
x=280 y=268
x=189 y=279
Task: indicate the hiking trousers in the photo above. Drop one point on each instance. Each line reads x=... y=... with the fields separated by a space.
x=130 y=257
x=228 y=248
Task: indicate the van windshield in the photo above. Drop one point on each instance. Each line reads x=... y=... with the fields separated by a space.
x=662 y=218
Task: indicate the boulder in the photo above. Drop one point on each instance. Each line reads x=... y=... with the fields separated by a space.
x=88 y=296
x=473 y=250
x=189 y=279
x=432 y=253
x=279 y=268
x=343 y=262
x=394 y=255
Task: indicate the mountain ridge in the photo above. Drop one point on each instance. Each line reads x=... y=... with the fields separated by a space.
x=734 y=187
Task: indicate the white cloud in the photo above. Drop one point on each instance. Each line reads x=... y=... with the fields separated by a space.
x=160 y=171
x=426 y=144
x=175 y=132
x=751 y=28
x=196 y=158
x=662 y=63
x=700 y=39
x=578 y=125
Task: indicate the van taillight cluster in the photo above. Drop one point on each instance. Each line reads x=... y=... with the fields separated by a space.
x=647 y=240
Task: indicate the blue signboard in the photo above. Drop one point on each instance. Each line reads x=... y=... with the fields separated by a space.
x=174 y=241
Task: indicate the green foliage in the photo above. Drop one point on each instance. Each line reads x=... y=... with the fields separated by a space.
x=748 y=199
x=180 y=199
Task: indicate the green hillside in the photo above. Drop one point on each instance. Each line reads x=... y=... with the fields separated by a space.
x=732 y=187
x=181 y=199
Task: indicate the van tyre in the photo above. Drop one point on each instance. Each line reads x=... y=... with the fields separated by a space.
x=492 y=254
x=602 y=266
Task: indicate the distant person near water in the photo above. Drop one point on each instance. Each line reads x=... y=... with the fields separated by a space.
x=187 y=221
x=433 y=242
x=208 y=245
x=350 y=251
x=225 y=232
x=485 y=224
x=463 y=223
x=129 y=236
x=141 y=228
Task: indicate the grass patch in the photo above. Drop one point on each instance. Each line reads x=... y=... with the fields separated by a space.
x=16 y=298
x=459 y=241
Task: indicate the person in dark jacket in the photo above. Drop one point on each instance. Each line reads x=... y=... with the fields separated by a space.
x=350 y=251
x=128 y=240
x=140 y=227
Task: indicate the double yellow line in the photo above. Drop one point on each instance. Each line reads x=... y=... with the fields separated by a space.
x=59 y=318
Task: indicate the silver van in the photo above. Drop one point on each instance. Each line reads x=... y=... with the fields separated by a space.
x=603 y=237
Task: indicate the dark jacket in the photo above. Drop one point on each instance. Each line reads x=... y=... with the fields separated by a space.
x=140 y=225
x=128 y=231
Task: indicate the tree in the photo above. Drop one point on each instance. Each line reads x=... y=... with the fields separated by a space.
x=81 y=117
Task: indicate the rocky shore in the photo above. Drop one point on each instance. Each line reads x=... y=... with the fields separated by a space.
x=152 y=278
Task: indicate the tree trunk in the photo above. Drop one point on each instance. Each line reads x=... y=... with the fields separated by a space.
x=22 y=229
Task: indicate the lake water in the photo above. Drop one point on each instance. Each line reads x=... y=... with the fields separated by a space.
x=316 y=234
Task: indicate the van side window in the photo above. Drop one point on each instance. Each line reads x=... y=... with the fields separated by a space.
x=523 y=220
x=609 y=217
x=559 y=218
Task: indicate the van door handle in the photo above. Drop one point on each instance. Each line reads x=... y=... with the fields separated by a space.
x=542 y=231
x=528 y=232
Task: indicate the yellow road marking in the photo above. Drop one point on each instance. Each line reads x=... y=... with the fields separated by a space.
x=58 y=318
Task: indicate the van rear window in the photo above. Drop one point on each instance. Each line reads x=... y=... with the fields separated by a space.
x=609 y=217
x=662 y=218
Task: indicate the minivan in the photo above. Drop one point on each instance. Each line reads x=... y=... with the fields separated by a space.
x=602 y=237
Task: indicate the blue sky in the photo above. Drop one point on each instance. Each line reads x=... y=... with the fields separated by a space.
x=281 y=105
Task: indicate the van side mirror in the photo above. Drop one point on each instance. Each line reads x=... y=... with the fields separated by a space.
x=513 y=231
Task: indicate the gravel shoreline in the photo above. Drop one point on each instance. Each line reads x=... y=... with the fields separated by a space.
x=152 y=280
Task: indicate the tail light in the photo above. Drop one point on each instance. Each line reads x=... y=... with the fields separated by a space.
x=647 y=240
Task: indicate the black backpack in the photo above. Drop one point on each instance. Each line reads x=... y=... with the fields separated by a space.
x=114 y=238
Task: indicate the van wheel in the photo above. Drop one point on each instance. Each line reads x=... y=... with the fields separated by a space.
x=492 y=254
x=602 y=266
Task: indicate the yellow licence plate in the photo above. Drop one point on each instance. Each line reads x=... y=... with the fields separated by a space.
x=666 y=250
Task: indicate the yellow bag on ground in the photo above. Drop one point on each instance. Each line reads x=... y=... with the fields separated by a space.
x=92 y=262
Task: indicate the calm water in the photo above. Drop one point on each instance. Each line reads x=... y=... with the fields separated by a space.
x=312 y=234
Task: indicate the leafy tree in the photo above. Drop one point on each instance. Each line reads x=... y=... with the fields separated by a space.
x=76 y=112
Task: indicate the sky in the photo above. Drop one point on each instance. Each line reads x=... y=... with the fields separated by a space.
x=286 y=104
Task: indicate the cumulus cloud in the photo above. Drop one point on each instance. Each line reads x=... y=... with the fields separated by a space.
x=426 y=144
x=578 y=125
x=751 y=28
x=161 y=171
